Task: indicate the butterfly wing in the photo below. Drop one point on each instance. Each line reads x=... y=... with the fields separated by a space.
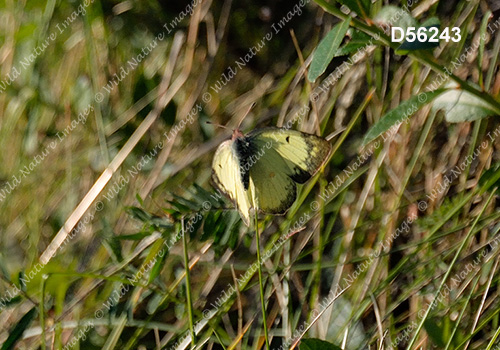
x=273 y=189
x=304 y=154
x=263 y=173
x=227 y=177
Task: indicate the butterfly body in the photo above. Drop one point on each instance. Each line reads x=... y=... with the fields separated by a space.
x=244 y=148
x=260 y=170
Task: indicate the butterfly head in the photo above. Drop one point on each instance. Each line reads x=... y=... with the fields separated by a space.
x=237 y=134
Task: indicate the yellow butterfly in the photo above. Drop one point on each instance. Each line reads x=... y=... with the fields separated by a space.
x=260 y=170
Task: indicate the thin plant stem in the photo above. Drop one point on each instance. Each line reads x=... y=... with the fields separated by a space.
x=492 y=341
x=261 y=285
x=42 y=310
x=188 y=285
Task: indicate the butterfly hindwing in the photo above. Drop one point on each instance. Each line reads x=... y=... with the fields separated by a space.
x=226 y=174
x=271 y=184
x=303 y=153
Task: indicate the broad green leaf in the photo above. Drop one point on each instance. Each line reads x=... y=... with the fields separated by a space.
x=317 y=344
x=400 y=114
x=326 y=50
x=358 y=40
x=17 y=331
x=461 y=106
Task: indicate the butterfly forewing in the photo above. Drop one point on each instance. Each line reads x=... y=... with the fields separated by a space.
x=304 y=154
x=226 y=174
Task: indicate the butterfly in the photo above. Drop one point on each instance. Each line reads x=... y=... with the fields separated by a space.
x=260 y=170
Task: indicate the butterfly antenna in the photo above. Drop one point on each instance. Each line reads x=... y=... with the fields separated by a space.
x=218 y=125
x=246 y=113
